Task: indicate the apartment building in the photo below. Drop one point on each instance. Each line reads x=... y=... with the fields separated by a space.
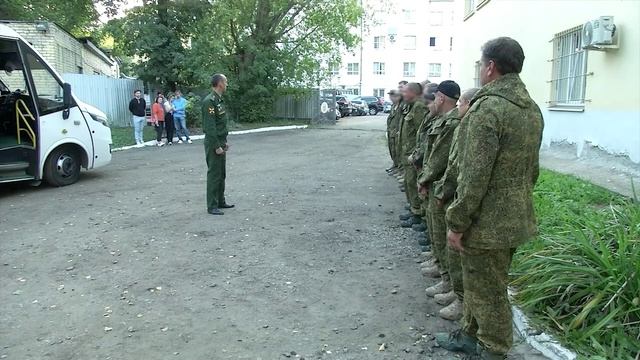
x=401 y=40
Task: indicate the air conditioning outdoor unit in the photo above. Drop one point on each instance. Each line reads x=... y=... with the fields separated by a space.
x=599 y=33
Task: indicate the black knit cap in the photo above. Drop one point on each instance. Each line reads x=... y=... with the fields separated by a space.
x=450 y=88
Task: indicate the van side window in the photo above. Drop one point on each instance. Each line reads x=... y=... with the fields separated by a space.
x=47 y=87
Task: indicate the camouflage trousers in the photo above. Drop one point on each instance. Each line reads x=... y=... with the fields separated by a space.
x=437 y=232
x=411 y=188
x=487 y=312
x=391 y=141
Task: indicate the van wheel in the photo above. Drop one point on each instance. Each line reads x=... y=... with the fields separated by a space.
x=62 y=167
x=373 y=111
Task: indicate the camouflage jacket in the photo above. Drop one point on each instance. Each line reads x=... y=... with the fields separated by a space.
x=445 y=188
x=393 y=120
x=439 y=139
x=421 y=138
x=498 y=167
x=413 y=115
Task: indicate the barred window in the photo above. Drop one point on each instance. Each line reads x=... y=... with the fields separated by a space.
x=353 y=69
x=409 y=69
x=569 y=70
x=378 y=68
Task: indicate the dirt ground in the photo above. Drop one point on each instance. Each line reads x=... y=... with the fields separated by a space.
x=126 y=264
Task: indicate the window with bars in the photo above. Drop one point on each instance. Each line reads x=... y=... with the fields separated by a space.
x=353 y=69
x=378 y=68
x=378 y=42
x=569 y=70
x=410 y=42
x=476 y=75
x=409 y=69
x=435 y=70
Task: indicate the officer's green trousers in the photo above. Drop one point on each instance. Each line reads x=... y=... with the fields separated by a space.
x=438 y=232
x=216 y=175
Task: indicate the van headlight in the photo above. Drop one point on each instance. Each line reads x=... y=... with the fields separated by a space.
x=101 y=119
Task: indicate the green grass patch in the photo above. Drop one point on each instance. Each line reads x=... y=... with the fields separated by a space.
x=581 y=278
x=124 y=136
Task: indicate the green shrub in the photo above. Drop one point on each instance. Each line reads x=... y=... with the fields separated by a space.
x=194 y=110
x=582 y=276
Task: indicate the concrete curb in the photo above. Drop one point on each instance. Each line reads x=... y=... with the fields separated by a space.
x=239 y=132
x=540 y=341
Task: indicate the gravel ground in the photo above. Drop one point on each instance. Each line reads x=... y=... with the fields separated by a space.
x=311 y=264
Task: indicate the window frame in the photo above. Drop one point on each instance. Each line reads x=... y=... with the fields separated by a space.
x=569 y=71
x=406 y=72
x=24 y=52
x=379 y=69
x=353 y=72
x=379 y=42
x=433 y=73
x=406 y=38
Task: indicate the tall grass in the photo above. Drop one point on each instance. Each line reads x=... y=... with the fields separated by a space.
x=581 y=277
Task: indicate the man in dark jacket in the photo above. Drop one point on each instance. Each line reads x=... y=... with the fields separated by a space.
x=138 y=108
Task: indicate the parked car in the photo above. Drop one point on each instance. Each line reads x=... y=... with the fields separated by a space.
x=375 y=104
x=344 y=105
x=387 y=106
x=360 y=107
x=338 y=115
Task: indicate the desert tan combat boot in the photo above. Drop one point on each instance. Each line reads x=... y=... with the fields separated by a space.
x=442 y=287
x=446 y=298
x=452 y=312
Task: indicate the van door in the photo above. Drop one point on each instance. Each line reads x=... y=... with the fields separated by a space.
x=18 y=125
x=65 y=142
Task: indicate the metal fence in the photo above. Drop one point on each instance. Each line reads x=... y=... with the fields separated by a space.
x=107 y=94
x=300 y=106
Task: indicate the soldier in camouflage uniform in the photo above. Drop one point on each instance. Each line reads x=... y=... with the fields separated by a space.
x=443 y=192
x=413 y=114
x=393 y=120
x=440 y=137
x=214 y=117
x=492 y=213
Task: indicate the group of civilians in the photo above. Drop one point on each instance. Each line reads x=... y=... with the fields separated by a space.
x=168 y=115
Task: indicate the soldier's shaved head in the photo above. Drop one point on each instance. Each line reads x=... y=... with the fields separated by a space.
x=412 y=91
x=465 y=101
x=468 y=94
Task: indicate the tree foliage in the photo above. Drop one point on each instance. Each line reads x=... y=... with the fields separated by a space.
x=261 y=45
x=79 y=17
x=264 y=45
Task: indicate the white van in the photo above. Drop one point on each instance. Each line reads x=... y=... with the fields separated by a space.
x=45 y=132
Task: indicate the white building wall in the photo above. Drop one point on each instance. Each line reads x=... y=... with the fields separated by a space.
x=611 y=115
x=393 y=20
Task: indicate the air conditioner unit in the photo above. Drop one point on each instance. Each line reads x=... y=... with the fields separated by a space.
x=598 y=33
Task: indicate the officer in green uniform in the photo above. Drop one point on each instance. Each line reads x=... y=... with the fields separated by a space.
x=214 y=117
x=392 y=128
x=492 y=213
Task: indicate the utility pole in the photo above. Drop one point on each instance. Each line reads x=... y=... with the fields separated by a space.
x=361 y=46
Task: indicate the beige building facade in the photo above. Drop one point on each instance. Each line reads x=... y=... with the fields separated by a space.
x=590 y=96
x=64 y=52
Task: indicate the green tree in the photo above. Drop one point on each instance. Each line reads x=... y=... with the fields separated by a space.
x=155 y=37
x=266 y=45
